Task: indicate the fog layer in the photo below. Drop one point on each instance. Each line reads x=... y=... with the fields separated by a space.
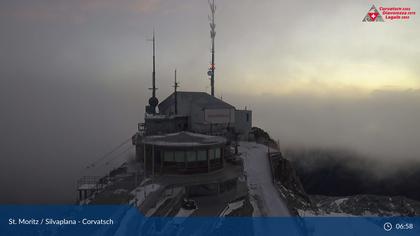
x=52 y=130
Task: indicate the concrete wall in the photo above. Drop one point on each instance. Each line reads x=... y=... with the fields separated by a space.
x=196 y=114
x=243 y=123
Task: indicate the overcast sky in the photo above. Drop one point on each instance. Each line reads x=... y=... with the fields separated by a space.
x=74 y=76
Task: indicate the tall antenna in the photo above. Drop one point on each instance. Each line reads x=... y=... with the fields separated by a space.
x=153 y=101
x=154 y=66
x=176 y=85
x=212 y=36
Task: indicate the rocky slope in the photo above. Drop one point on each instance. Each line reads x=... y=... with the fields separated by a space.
x=321 y=174
x=304 y=204
x=367 y=205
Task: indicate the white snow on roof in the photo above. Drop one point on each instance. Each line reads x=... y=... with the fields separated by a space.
x=154 y=116
x=163 y=143
x=160 y=116
x=183 y=139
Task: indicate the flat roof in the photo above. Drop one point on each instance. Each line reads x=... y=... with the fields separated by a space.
x=201 y=99
x=184 y=139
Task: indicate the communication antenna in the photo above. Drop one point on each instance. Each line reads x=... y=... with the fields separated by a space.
x=153 y=101
x=212 y=36
x=176 y=85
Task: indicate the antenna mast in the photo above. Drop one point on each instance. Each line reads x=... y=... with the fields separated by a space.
x=176 y=85
x=212 y=36
x=153 y=101
x=154 y=66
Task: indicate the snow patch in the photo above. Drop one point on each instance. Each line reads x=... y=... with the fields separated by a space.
x=88 y=186
x=341 y=200
x=231 y=207
x=140 y=193
x=184 y=212
x=120 y=191
x=154 y=209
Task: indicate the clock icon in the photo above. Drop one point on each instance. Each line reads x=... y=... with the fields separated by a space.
x=387 y=226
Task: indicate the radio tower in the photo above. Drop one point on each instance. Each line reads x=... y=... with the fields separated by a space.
x=212 y=36
x=176 y=85
x=153 y=101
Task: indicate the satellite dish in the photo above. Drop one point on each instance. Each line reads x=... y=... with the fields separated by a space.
x=153 y=101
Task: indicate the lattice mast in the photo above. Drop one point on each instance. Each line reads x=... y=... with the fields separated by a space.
x=212 y=36
x=153 y=101
x=176 y=85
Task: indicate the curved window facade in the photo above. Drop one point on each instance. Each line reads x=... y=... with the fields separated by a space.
x=189 y=161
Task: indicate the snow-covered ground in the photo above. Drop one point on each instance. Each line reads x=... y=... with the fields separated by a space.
x=259 y=180
x=184 y=213
x=231 y=207
x=263 y=193
x=140 y=193
x=152 y=210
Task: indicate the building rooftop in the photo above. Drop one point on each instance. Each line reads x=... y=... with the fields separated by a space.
x=203 y=99
x=183 y=139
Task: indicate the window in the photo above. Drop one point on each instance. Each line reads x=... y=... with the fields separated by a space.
x=202 y=155
x=191 y=156
x=168 y=156
x=179 y=156
x=218 y=153
x=247 y=117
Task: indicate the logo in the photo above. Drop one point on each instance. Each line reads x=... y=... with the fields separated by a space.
x=373 y=15
x=389 y=14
